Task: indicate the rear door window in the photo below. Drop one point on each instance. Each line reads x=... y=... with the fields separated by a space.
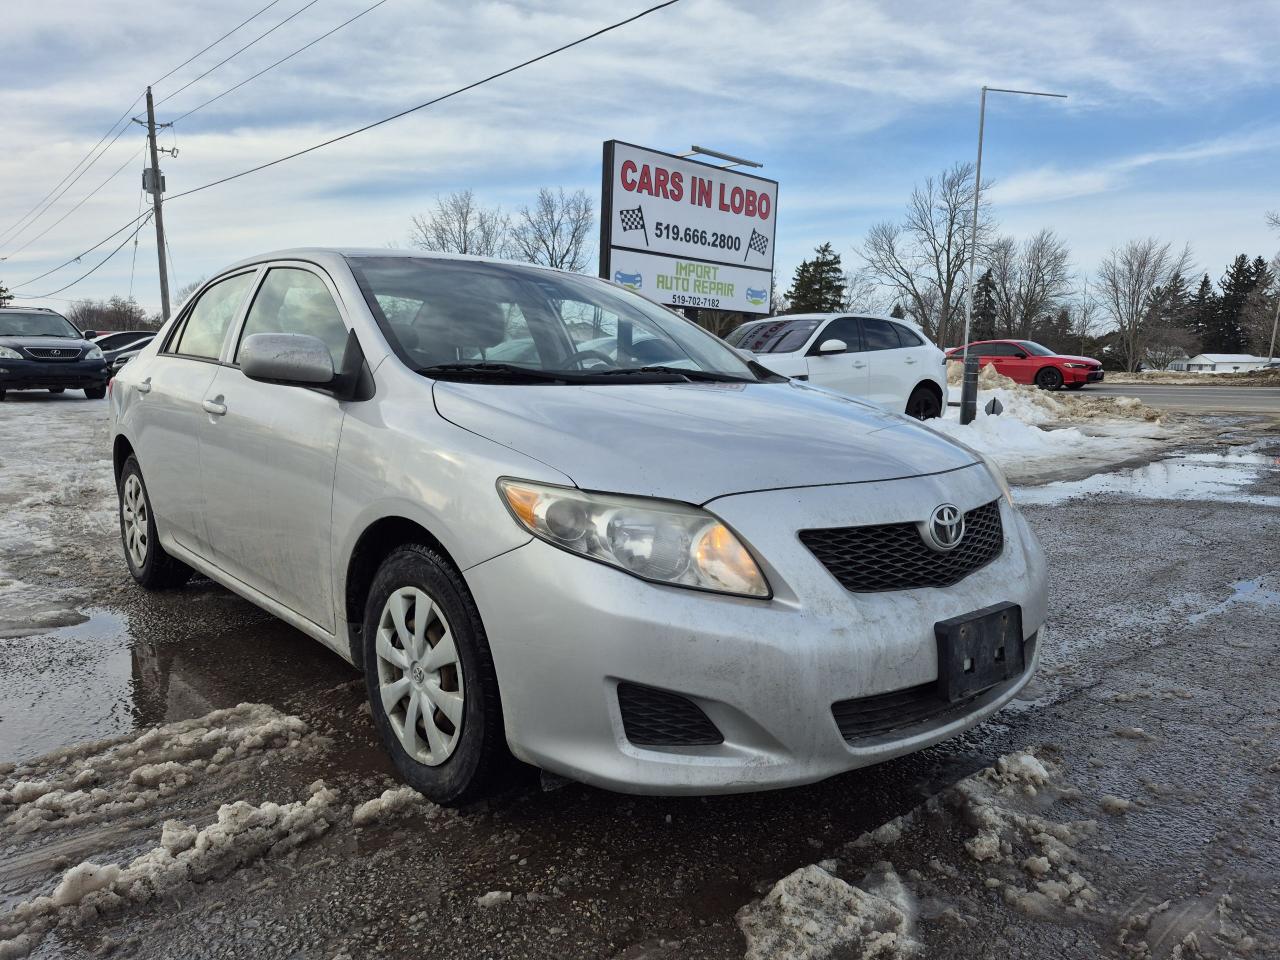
x=206 y=325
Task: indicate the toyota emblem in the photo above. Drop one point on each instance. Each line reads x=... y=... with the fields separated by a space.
x=945 y=528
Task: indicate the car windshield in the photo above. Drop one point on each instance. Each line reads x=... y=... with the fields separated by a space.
x=776 y=336
x=36 y=325
x=1035 y=349
x=460 y=319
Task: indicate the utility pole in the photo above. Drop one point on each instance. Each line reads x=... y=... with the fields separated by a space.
x=153 y=182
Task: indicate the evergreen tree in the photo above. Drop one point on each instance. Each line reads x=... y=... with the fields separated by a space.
x=1202 y=309
x=982 y=325
x=1174 y=303
x=1226 y=334
x=818 y=286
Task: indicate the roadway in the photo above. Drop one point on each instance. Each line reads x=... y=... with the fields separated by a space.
x=1195 y=399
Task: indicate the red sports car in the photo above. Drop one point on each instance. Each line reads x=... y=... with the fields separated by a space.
x=1028 y=362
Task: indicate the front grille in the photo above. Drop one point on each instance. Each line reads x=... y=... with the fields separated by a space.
x=54 y=353
x=886 y=712
x=657 y=718
x=893 y=556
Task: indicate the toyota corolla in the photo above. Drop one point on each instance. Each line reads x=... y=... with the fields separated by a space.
x=682 y=576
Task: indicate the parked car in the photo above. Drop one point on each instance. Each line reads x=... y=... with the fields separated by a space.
x=1025 y=361
x=120 y=339
x=42 y=350
x=120 y=357
x=117 y=356
x=655 y=578
x=881 y=359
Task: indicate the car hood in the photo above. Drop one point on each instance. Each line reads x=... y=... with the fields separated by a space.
x=1089 y=360
x=66 y=343
x=698 y=441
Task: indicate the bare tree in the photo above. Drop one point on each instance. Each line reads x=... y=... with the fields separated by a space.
x=862 y=293
x=1260 y=318
x=1273 y=219
x=117 y=313
x=922 y=260
x=1030 y=280
x=556 y=231
x=1085 y=311
x=1167 y=343
x=459 y=224
x=1128 y=281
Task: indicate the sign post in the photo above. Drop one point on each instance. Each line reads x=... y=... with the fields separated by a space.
x=686 y=233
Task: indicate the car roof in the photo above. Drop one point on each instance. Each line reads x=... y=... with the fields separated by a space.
x=336 y=256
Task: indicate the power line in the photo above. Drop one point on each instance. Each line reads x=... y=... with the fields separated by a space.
x=212 y=45
x=232 y=56
x=79 y=203
x=84 y=253
x=429 y=103
x=280 y=61
x=92 y=270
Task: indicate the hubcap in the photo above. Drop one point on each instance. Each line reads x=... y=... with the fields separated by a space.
x=133 y=510
x=419 y=676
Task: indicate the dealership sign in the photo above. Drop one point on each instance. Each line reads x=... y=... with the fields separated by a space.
x=686 y=233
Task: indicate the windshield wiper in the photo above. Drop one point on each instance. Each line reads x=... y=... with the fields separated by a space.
x=489 y=370
x=692 y=374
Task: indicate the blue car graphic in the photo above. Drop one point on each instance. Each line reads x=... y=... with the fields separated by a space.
x=757 y=296
x=633 y=280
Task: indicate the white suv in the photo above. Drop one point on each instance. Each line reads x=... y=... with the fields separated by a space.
x=882 y=359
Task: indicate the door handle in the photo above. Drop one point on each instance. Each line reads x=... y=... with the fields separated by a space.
x=859 y=365
x=145 y=386
x=910 y=360
x=216 y=407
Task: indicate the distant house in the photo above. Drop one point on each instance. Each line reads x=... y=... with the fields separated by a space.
x=1219 y=363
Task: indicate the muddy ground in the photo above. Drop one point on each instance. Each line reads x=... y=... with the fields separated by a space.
x=1154 y=718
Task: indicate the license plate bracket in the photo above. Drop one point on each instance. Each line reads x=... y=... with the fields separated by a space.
x=978 y=650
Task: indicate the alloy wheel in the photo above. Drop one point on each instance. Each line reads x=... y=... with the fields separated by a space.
x=419 y=676
x=133 y=507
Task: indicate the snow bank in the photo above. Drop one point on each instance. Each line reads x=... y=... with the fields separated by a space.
x=810 y=914
x=243 y=833
x=393 y=803
x=107 y=778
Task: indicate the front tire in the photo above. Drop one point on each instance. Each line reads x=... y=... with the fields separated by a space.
x=433 y=692
x=1050 y=378
x=148 y=562
x=924 y=404
x=94 y=393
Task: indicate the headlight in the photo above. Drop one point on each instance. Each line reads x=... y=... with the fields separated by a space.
x=94 y=352
x=998 y=475
x=1076 y=366
x=8 y=353
x=652 y=539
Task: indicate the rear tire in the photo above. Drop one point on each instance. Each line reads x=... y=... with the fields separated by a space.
x=433 y=692
x=924 y=404
x=94 y=393
x=148 y=562
x=1050 y=378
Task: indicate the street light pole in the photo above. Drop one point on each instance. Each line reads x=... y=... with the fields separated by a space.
x=967 y=402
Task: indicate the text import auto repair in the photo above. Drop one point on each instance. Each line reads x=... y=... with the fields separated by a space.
x=685 y=232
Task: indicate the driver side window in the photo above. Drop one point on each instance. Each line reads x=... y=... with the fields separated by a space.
x=296 y=301
x=842 y=328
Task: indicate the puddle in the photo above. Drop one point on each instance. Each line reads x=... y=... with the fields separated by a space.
x=1223 y=477
x=1246 y=591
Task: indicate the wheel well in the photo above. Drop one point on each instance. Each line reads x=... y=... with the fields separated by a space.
x=371 y=549
x=930 y=386
x=120 y=452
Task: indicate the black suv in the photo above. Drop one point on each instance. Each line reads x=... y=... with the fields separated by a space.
x=42 y=350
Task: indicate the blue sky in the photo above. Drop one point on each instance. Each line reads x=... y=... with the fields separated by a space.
x=1171 y=129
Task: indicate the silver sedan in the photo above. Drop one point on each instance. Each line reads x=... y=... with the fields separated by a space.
x=650 y=565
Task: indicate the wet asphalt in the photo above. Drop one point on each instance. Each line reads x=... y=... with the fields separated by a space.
x=1164 y=619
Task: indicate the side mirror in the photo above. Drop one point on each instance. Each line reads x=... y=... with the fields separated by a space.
x=89 y=334
x=833 y=346
x=288 y=358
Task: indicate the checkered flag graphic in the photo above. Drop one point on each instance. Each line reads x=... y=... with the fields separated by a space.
x=634 y=220
x=758 y=242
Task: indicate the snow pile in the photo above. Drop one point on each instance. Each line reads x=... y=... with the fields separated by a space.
x=810 y=914
x=53 y=500
x=129 y=773
x=392 y=804
x=1197 y=928
x=242 y=834
x=1042 y=406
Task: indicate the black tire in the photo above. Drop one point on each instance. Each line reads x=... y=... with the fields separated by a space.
x=158 y=570
x=924 y=403
x=2 y=393
x=479 y=760
x=95 y=393
x=1074 y=386
x=57 y=389
x=1050 y=378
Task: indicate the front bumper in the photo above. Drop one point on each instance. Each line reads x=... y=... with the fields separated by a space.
x=565 y=632
x=41 y=374
x=1081 y=375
